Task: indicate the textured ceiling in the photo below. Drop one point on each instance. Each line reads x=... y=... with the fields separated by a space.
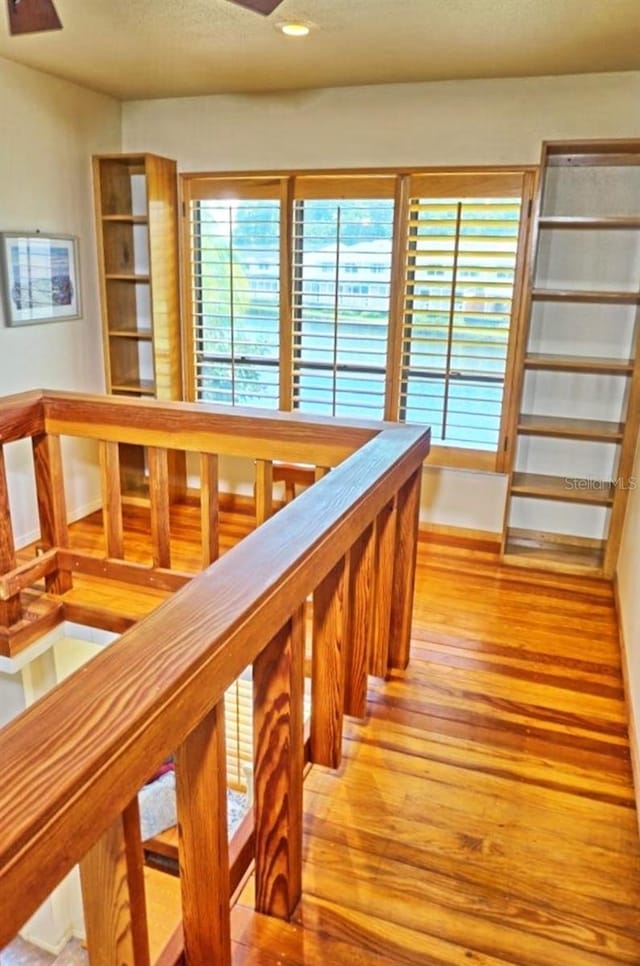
x=167 y=48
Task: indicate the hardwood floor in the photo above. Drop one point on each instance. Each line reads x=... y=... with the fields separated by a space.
x=484 y=811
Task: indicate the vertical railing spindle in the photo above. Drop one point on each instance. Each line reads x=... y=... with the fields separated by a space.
x=278 y=737
x=112 y=874
x=330 y=623
x=408 y=512
x=264 y=490
x=209 y=509
x=109 y=454
x=384 y=567
x=160 y=506
x=358 y=641
x=201 y=788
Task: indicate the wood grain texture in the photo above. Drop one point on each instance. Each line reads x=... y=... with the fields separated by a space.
x=159 y=497
x=330 y=624
x=21 y=415
x=385 y=536
x=358 y=639
x=264 y=490
x=404 y=568
x=142 y=696
x=114 y=896
x=484 y=813
x=10 y=609
x=52 y=510
x=109 y=456
x=278 y=737
x=201 y=790
x=205 y=428
x=209 y=509
x=28 y=573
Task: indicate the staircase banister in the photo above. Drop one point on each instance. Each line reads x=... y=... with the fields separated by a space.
x=21 y=415
x=207 y=428
x=73 y=761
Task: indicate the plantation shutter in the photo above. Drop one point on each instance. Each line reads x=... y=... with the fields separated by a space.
x=458 y=307
x=235 y=296
x=341 y=288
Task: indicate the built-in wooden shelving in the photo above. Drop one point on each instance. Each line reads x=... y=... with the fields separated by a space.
x=136 y=204
x=578 y=295
x=576 y=424
x=586 y=364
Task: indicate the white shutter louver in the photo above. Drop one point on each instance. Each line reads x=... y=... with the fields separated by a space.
x=236 y=300
x=341 y=287
x=460 y=274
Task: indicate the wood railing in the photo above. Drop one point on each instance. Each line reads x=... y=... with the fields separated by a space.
x=73 y=763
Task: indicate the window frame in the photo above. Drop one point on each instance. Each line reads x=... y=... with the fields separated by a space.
x=402 y=185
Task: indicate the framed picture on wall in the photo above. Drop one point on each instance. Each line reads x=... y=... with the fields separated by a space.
x=40 y=278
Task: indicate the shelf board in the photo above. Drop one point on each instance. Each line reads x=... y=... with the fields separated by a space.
x=577 y=295
x=127 y=219
x=126 y=277
x=567 y=554
x=597 y=430
x=145 y=387
x=579 y=221
x=142 y=335
x=541 y=360
x=563 y=488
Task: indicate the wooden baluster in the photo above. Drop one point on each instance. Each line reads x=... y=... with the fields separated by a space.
x=320 y=471
x=264 y=490
x=385 y=529
x=52 y=511
x=201 y=788
x=330 y=621
x=113 y=896
x=160 y=506
x=109 y=454
x=278 y=741
x=404 y=571
x=10 y=610
x=358 y=640
x=209 y=509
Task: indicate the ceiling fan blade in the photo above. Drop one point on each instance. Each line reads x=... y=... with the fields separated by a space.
x=260 y=6
x=31 y=16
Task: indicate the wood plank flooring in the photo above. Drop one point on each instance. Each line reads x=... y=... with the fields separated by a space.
x=484 y=811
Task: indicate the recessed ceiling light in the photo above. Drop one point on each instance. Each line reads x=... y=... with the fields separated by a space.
x=294 y=28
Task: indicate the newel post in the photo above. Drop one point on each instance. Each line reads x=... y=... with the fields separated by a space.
x=10 y=610
x=52 y=510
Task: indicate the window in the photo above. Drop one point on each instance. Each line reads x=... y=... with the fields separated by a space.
x=366 y=295
x=340 y=313
x=235 y=298
x=458 y=305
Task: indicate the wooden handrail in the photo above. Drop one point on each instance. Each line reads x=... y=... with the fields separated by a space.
x=74 y=761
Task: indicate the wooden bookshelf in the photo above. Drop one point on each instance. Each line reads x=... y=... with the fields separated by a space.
x=578 y=379
x=137 y=230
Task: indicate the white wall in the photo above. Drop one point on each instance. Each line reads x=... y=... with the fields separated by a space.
x=489 y=122
x=50 y=130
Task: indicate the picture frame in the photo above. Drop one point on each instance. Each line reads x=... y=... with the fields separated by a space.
x=40 y=277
